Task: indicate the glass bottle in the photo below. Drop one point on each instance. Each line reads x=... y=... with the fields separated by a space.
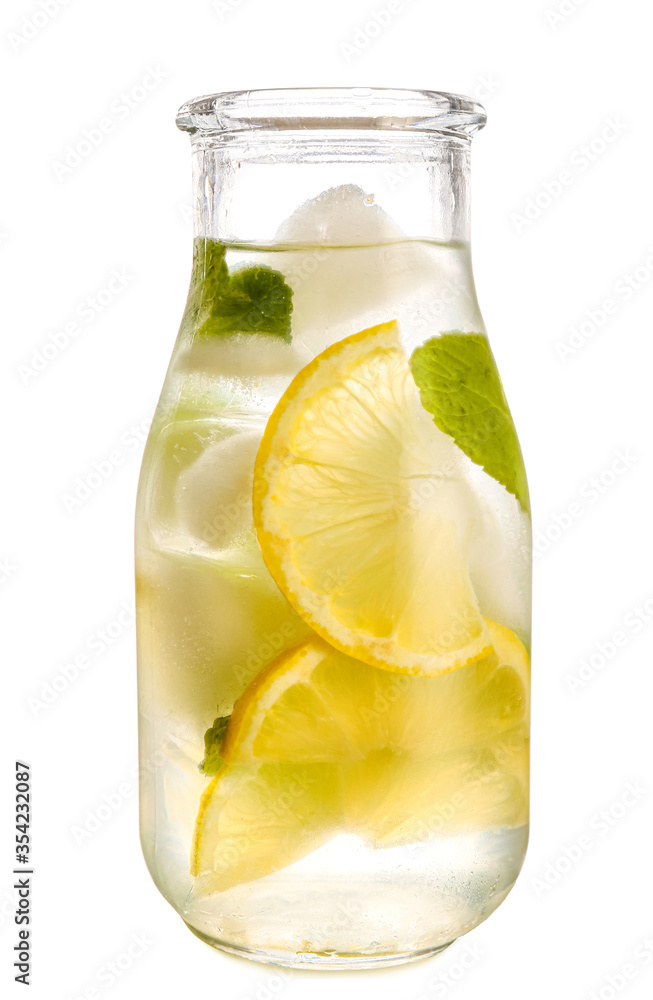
x=333 y=545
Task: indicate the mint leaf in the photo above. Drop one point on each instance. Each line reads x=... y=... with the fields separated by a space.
x=211 y=268
x=249 y=300
x=460 y=386
x=213 y=738
x=209 y=279
x=256 y=300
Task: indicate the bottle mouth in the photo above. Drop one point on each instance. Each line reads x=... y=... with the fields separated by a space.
x=339 y=108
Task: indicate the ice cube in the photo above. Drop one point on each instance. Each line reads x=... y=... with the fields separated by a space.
x=340 y=216
x=213 y=495
x=242 y=355
x=357 y=268
x=211 y=627
x=494 y=531
x=496 y=535
x=241 y=372
x=500 y=553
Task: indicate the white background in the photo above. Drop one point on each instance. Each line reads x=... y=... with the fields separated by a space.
x=551 y=85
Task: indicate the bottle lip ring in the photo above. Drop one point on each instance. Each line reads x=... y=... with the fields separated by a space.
x=338 y=108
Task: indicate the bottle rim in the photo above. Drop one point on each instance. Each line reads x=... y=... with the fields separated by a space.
x=337 y=108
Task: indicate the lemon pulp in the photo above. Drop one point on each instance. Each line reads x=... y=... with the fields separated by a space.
x=319 y=743
x=405 y=711
x=369 y=556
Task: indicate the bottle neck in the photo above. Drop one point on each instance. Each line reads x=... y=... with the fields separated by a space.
x=269 y=187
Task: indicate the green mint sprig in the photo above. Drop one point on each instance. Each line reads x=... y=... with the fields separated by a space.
x=461 y=388
x=253 y=299
x=213 y=738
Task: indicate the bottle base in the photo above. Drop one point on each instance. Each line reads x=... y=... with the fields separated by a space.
x=346 y=906
x=328 y=961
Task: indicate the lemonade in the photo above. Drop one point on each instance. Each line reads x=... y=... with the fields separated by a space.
x=333 y=594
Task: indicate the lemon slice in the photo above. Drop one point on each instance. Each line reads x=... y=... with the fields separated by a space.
x=458 y=759
x=358 y=516
x=472 y=707
x=315 y=704
x=257 y=819
x=391 y=799
x=320 y=743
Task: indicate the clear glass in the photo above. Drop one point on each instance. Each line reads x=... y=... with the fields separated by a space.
x=333 y=545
